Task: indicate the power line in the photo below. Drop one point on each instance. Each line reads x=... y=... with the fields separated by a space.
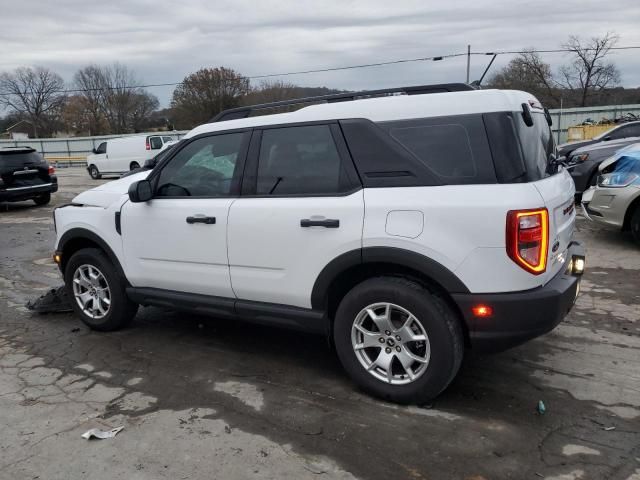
x=348 y=67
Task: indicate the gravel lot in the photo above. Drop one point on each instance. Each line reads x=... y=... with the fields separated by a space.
x=206 y=398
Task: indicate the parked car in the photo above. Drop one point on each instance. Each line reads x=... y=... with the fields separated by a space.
x=152 y=162
x=25 y=175
x=584 y=161
x=615 y=200
x=403 y=228
x=119 y=155
x=619 y=132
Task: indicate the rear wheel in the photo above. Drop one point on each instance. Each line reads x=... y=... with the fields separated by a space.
x=634 y=224
x=97 y=291
x=134 y=165
x=397 y=340
x=43 y=199
x=94 y=172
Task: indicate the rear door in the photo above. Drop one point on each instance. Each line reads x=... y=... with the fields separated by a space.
x=302 y=206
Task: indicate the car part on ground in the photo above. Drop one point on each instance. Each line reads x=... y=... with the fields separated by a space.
x=55 y=300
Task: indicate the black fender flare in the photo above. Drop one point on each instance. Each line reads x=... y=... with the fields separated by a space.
x=83 y=233
x=388 y=255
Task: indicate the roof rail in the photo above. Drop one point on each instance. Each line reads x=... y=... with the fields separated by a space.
x=244 y=112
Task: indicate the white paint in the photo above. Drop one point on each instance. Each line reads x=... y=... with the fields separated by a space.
x=245 y=392
x=573 y=475
x=572 y=449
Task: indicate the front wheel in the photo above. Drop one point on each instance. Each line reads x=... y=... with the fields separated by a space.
x=397 y=340
x=97 y=291
x=94 y=172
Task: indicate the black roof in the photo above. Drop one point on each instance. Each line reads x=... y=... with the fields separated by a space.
x=244 y=112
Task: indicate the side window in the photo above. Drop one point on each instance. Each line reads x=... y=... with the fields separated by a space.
x=444 y=148
x=167 y=139
x=300 y=161
x=155 y=142
x=203 y=168
x=633 y=131
x=102 y=148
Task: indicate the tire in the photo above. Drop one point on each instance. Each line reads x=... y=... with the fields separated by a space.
x=443 y=348
x=98 y=314
x=43 y=199
x=94 y=172
x=634 y=224
x=134 y=165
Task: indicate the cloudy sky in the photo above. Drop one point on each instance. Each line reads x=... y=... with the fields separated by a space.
x=165 y=40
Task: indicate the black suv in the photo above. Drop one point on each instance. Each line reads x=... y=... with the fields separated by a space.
x=25 y=175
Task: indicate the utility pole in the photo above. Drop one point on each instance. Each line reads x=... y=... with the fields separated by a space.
x=468 y=61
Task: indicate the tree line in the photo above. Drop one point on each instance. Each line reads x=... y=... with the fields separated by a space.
x=108 y=99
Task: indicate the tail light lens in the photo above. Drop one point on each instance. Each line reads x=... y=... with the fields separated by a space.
x=147 y=145
x=51 y=170
x=528 y=238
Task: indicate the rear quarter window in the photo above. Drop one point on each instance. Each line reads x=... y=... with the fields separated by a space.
x=455 y=149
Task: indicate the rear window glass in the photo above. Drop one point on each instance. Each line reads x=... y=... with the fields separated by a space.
x=12 y=159
x=445 y=149
x=537 y=145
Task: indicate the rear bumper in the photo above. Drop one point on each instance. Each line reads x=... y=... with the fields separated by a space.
x=28 y=192
x=521 y=316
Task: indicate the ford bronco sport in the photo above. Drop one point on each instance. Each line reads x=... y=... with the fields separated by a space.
x=406 y=225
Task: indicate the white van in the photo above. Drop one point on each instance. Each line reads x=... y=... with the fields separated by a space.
x=119 y=155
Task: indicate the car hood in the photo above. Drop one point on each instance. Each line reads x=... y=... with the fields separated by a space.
x=106 y=194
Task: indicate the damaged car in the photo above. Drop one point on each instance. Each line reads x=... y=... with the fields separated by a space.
x=615 y=200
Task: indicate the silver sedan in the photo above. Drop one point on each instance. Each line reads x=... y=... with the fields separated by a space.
x=615 y=200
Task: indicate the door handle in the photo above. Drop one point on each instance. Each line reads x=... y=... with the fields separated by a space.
x=201 y=219
x=327 y=223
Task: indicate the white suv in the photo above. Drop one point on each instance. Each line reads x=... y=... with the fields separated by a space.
x=405 y=227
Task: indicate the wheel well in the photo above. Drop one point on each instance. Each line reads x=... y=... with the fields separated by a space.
x=626 y=225
x=132 y=164
x=87 y=240
x=352 y=276
x=73 y=245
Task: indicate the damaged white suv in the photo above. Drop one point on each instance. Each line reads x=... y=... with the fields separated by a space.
x=405 y=224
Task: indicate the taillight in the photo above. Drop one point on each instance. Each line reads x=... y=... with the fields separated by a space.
x=51 y=170
x=528 y=238
x=147 y=145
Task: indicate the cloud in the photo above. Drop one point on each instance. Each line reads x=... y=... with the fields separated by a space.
x=163 y=41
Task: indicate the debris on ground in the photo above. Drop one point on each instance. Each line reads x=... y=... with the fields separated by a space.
x=55 y=300
x=608 y=429
x=101 y=434
x=541 y=407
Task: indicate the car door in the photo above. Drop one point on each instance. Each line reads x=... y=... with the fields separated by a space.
x=99 y=157
x=302 y=206
x=178 y=240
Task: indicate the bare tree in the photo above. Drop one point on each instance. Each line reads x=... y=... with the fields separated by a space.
x=590 y=73
x=143 y=105
x=34 y=93
x=528 y=72
x=90 y=81
x=203 y=94
x=112 y=96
